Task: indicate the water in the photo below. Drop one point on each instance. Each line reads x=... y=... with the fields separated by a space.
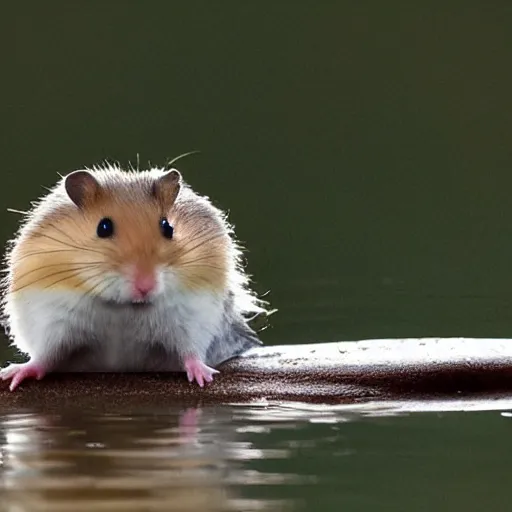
x=363 y=152
x=288 y=457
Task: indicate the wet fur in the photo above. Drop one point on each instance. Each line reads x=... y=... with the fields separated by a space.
x=63 y=306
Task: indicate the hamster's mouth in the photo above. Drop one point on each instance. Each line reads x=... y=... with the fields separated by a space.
x=136 y=304
x=140 y=303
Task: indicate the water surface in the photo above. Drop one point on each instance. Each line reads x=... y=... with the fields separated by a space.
x=260 y=457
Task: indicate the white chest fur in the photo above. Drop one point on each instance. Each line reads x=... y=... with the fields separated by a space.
x=47 y=325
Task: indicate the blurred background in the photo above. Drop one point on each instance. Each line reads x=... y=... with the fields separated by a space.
x=362 y=149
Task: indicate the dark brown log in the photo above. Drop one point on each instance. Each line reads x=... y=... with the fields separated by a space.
x=414 y=371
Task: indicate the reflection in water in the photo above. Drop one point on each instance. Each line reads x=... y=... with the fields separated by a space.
x=190 y=459
x=247 y=457
x=181 y=460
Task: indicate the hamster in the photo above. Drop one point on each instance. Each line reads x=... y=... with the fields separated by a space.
x=126 y=271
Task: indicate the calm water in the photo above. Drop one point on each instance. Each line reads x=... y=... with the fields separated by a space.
x=254 y=458
x=363 y=150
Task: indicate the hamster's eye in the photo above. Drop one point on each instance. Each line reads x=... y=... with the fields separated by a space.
x=105 y=228
x=166 y=229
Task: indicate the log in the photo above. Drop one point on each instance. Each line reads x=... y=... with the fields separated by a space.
x=411 y=374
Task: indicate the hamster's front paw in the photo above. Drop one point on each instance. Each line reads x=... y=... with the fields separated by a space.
x=197 y=370
x=19 y=372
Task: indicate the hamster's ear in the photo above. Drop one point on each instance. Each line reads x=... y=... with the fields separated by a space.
x=81 y=187
x=167 y=187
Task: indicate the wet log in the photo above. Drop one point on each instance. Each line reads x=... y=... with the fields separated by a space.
x=413 y=371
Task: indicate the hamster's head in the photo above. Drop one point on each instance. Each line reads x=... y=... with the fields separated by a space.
x=126 y=237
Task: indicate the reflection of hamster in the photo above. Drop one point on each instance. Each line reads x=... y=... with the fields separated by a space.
x=126 y=271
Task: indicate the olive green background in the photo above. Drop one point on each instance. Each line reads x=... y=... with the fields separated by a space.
x=363 y=150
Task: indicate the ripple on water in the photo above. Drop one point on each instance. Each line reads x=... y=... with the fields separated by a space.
x=261 y=456
x=190 y=459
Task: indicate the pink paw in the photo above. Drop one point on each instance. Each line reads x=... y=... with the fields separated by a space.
x=19 y=372
x=197 y=370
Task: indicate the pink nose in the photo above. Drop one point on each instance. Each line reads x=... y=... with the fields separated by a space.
x=143 y=285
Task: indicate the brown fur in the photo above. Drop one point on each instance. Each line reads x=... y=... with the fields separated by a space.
x=59 y=238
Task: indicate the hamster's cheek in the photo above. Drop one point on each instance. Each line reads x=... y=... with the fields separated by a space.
x=173 y=281
x=112 y=287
